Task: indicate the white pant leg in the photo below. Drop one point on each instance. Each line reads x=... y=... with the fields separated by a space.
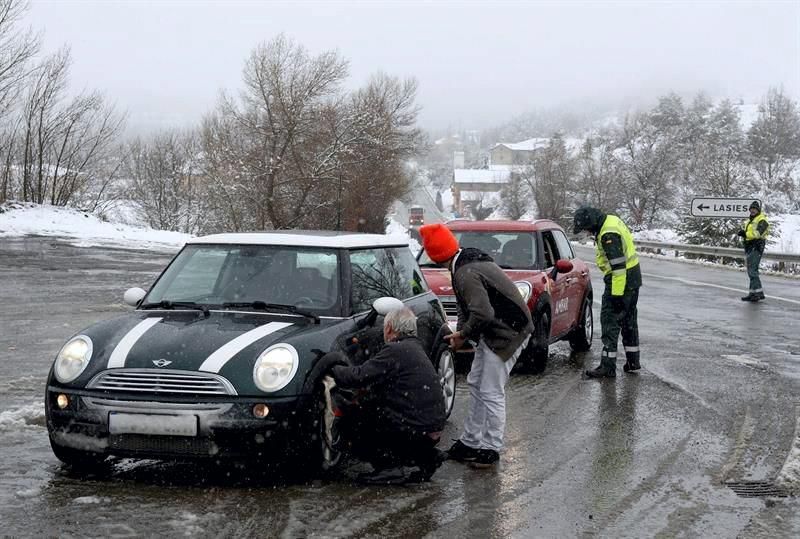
x=493 y=396
x=474 y=422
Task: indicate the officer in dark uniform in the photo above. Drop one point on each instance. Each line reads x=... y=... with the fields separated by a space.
x=616 y=257
x=754 y=232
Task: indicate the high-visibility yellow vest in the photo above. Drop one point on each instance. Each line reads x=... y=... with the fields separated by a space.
x=615 y=225
x=751 y=228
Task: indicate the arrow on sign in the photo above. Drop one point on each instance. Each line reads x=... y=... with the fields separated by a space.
x=701 y=207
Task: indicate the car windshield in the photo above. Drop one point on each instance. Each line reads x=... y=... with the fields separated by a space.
x=216 y=275
x=510 y=250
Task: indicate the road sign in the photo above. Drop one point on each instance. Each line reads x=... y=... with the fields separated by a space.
x=722 y=207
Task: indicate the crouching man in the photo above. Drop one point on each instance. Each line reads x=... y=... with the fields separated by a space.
x=403 y=412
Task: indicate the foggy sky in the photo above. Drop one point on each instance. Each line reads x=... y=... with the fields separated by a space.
x=478 y=63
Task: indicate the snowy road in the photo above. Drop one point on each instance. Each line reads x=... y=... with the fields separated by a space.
x=637 y=456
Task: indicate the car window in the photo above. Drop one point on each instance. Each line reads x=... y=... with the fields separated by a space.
x=219 y=274
x=550 y=249
x=199 y=273
x=564 y=248
x=408 y=268
x=510 y=250
x=377 y=273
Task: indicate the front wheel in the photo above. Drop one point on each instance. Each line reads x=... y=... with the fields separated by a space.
x=446 y=369
x=538 y=350
x=78 y=459
x=580 y=338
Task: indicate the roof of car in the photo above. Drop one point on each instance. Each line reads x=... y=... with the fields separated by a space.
x=305 y=238
x=460 y=225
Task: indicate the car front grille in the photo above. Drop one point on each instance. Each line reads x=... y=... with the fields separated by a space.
x=162 y=382
x=450 y=306
x=162 y=445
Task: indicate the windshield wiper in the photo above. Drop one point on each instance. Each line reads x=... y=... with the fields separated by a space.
x=430 y=265
x=263 y=306
x=167 y=304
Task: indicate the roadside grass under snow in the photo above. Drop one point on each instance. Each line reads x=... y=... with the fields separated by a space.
x=82 y=229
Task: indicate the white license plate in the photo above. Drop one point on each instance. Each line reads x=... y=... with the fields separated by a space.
x=169 y=425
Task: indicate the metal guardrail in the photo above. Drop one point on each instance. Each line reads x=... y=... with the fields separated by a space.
x=727 y=252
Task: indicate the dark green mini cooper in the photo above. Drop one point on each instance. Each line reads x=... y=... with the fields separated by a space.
x=224 y=357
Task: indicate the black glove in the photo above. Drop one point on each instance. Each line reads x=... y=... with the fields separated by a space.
x=617 y=303
x=742 y=234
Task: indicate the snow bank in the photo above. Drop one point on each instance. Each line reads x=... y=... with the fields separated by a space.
x=789 y=227
x=84 y=229
x=665 y=235
x=31 y=415
x=394 y=228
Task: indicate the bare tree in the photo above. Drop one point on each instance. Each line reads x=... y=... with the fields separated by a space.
x=551 y=178
x=275 y=119
x=774 y=146
x=296 y=151
x=64 y=143
x=647 y=165
x=598 y=179
x=166 y=180
x=17 y=48
x=515 y=197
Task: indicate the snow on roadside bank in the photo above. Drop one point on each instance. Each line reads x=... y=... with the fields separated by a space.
x=83 y=229
x=394 y=228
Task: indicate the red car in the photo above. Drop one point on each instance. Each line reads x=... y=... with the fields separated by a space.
x=539 y=259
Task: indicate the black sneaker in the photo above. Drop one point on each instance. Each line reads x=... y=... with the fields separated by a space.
x=485 y=458
x=749 y=297
x=760 y=297
x=461 y=452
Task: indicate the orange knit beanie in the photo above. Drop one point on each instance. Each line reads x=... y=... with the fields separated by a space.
x=438 y=242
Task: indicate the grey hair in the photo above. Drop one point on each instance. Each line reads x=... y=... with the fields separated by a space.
x=402 y=321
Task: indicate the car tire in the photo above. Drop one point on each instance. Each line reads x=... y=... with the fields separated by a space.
x=580 y=338
x=78 y=459
x=537 y=352
x=446 y=370
x=328 y=453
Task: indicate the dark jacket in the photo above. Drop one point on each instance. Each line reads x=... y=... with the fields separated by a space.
x=403 y=386
x=490 y=307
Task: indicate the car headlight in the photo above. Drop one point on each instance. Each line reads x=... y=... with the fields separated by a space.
x=275 y=367
x=524 y=290
x=73 y=358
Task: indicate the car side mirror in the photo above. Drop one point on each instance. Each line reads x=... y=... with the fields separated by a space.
x=385 y=305
x=562 y=266
x=134 y=296
x=381 y=306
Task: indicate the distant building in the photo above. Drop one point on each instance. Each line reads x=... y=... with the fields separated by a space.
x=522 y=153
x=472 y=187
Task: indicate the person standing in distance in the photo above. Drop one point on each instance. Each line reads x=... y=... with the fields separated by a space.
x=616 y=257
x=754 y=232
x=491 y=313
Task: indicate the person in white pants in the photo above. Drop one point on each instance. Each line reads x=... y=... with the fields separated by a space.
x=491 y=313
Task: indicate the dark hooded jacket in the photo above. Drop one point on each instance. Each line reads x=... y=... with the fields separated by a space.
x=404 y=389
x=490 y=307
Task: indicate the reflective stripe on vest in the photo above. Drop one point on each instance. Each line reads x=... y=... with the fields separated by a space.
x=615 y=225
x=751 y=228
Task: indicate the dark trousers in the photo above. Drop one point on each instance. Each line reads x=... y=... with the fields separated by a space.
x=753 y=261
x=612 y=322
x=384 y=445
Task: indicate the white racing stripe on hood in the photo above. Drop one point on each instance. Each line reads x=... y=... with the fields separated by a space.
x=218 y=359
x=120 y=353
